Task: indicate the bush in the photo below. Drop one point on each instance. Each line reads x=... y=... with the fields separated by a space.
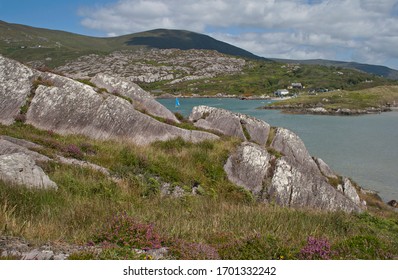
x=193 y=251
x=74 y=151
x=124 y=231
x=316 y=249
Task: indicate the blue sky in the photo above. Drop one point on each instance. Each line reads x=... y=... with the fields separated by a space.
x=352 y=30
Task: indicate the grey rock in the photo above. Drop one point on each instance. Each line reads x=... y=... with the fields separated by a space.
x=297 y=186
x=293 y=180
x=350 y=191
x=13 y=253
x=20 y=169
x=258 y=130
x=70 y=107
x=166 y=189
x=248 y=167
x=142 y=100
x=21 y=142
x=324 y=168
x=10 y=146
x=218 y=120
x=37 y=254
x=290 y=145
x=318 y=110
x=231 y=124
x=81 y=163
x=15 y=85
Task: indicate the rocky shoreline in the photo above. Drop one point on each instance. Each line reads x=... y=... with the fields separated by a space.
x=320 y=110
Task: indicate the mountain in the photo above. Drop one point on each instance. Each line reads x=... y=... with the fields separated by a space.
x=25 y=43
x=377 y=70
x=54 y=48
x=184 y=40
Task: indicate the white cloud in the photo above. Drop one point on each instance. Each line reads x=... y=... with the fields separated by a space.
x=283 y=28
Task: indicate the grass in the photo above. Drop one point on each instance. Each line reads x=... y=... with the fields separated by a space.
x=223 y=221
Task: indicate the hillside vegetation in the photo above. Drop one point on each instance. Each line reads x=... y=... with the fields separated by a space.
x=377 y=97
x=220 y=221
x=263 y=78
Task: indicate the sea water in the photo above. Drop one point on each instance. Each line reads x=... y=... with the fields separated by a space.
x=364 y=148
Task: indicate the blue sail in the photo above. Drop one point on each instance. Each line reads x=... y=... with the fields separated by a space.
x=177 y=102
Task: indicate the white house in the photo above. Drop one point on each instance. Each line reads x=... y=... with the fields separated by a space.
x=281 y=92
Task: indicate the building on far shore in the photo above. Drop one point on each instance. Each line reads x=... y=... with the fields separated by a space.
x=281 y=92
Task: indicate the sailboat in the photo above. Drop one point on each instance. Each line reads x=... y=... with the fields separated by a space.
x=177 y=103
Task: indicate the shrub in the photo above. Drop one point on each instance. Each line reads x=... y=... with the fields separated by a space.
x=74 y=151
x=184 y=250
x=316 y=249
x=124 y=231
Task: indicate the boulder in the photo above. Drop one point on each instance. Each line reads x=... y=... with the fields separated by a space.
x=15 y=85
x=232 y=124
x=21 y=169
x=291 y=180
x=69 y=107
x=142 y=100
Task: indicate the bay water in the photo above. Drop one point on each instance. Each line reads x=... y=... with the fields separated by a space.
x=364 y=148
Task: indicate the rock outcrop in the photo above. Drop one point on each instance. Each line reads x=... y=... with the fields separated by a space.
x=76 y=109
x=284 y=173
x=155 y=65
x=21 y=169
x=66 y=106
x=15 y=85
x=142 y=100
x=233 y=124
x=10 y=145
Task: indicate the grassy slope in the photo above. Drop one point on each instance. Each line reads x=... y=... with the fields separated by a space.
x=360 y=99
x=223 y=217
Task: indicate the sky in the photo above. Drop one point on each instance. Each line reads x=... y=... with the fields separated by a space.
x=364 y=31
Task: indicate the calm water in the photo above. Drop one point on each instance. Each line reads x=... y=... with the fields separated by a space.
x=364 y=148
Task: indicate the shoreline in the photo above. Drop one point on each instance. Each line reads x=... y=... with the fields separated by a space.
x=169 y=96
x=315 y=110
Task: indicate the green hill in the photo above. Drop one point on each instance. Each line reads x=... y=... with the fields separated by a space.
x=25 y=43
